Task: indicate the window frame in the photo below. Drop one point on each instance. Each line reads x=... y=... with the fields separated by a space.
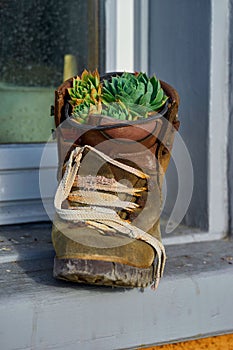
x=121 y=48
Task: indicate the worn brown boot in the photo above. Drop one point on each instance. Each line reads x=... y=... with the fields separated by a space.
x=108 y=202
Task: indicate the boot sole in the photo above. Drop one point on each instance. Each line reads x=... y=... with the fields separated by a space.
x=103 y=273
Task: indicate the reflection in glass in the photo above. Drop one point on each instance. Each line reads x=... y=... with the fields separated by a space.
x=35 y=38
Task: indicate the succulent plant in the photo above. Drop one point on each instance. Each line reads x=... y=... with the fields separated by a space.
x=129 y=96
x=85 y=95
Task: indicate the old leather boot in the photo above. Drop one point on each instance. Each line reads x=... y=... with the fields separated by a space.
x=108 y=202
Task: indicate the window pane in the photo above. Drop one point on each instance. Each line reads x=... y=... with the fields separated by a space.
x=38 y=38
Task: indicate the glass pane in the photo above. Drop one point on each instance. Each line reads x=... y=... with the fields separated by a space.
x=43 y=43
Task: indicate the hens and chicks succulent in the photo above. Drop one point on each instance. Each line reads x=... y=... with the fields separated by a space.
x=129 y=96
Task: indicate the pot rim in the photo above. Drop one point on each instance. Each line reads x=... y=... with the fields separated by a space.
x=116 y=124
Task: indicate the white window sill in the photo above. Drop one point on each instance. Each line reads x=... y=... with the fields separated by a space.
x=193 y=300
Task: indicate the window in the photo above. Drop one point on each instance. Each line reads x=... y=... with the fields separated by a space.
x=40 y=47
x=42 y=44
x=131 y=35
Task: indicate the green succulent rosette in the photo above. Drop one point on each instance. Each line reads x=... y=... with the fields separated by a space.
x=130 y=96
x=85 y=95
